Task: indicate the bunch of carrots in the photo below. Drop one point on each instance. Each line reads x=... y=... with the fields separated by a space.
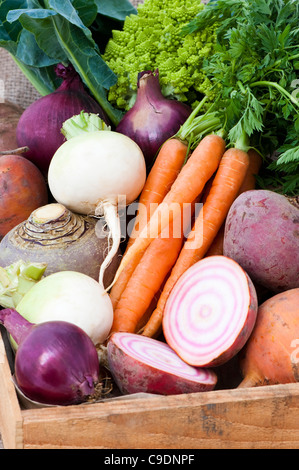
x=159 y=251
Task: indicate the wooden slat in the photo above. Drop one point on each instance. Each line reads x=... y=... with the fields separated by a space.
x=11 y=420
x=247 y=418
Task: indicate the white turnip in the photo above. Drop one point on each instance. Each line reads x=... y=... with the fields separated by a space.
x=96 y=172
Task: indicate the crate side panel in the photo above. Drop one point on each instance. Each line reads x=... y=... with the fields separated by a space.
x=11 y=420
x=248 y=418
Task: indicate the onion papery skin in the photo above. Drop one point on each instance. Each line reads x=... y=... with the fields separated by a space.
x=56 y=363
x=22 y=190
x=65 y=241
x=210 y=312
x=39 y=127
x=270 y=356
x=142 y=364
x=153 y=118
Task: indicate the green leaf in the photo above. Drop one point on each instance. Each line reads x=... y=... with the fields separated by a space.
x=14 y=15
x=283 y=37
x=40 y=34
x=42 y=27
x=80 y=52
x=87 y=11
x=67 y=11
x=115 y=9
x=235 y=131
x=11 y=38
x=62 y=36
x=30 y=53
x=291 y=184
x=43 y=79
x=8 y=32
x=288 y=156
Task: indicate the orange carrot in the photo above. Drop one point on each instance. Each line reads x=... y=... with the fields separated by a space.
x=255 y=163
x=165 y=170
x=249 y=182
x=225 y=187
x=150 y=274
x=147 y=281
x=199 y=168
x=216 y=247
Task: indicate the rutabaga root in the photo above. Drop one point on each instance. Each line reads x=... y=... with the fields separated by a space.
x=110 y=212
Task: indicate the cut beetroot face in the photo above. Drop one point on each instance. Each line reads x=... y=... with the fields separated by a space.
x=210 y=312
x=141 y=364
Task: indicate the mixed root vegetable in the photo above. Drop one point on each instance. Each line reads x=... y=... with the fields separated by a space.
x=151 y=243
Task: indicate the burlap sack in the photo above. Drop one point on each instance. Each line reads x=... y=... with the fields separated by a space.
x=14 y=86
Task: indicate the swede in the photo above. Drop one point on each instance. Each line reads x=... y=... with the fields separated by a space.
x=96 y=172
x=63 y=240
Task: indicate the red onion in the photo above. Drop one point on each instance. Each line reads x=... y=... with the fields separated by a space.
x=39 y=127
x=56 y=362
x=153 y=118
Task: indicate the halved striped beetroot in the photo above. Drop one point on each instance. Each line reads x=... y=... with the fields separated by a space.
x=210 y=312
x=141 y=364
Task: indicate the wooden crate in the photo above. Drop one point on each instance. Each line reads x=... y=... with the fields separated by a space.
x=265 y=417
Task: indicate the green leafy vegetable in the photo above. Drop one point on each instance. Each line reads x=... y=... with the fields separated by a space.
x=40 y=34
x=255 y=70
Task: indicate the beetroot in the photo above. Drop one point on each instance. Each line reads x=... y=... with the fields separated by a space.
x=210 y=312
x=262 y=235
x=141 y=364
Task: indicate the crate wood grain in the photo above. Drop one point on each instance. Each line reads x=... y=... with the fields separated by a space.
x=265 y=417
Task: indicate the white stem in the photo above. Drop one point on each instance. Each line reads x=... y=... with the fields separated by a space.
x=110 y=212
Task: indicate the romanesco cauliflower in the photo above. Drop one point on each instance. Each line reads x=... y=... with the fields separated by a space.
x=152 y=40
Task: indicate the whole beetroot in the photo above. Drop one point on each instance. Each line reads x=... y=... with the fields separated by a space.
x=262 y=235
